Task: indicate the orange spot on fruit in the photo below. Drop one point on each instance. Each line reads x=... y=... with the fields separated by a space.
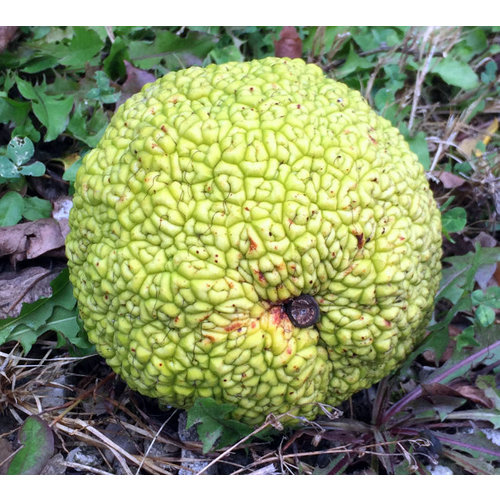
x=232 y=327
x=253 y=245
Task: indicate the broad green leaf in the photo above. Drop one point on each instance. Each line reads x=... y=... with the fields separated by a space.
x=84 y=45
x=456 y=73
x=13 y=111
x=490 y=72
x=477 y=40
x=20 y=150
x=180 y=51
x=353 y=63
x=11 y=210
x=7 y=169
x=89 y=131
x=418 y=145
x=103 y=92
x=52 y=111
x=213 y=424
x=454 y=220
x=41 y=63
x=70 y=174
x=36 y=208
x=466 y=338
x=35 y=169
x=485 y=315
x=40 y=316
x=490 y=297
x=37 y=442
x=114 y=63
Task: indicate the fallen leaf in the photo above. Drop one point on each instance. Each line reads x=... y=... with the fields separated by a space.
x=469 y=145
x=450 y=180
x=7 y=33
x=37 y=442
x=289 y=43
x=26 y=285
x=31 y=239
x=5 y=455
x=460 y=389
x=472 y=393
x=136 y=79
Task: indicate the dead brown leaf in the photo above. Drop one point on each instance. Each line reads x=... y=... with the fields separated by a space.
x=27 y=285
x=472 y=393
x=289 y=43
x=461 y=389
x=469 y=145
x=31 y=239
x=7 y=33
x=136 y=79
x=449 y=180
x=6 y=452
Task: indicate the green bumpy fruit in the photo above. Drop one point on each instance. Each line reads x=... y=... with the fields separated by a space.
x=219 y=194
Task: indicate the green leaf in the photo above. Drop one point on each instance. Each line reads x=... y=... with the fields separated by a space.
x=87 y=131
x=490 y=72
x=484 y=414
x=84 y=45
x=41 y=316
x=353 y=63
x=456 y=73
x=103 y=92
x=485 y=315
x=179 y=51
x=52 y=111
x=37 y=442
x=466 y=338
x=454 y=220
x=491 y=297
x=13 y=111
x=476 y=444
x=20 y=150
x=114 y=64
x=7 y=169
x=41 y=63
x=11 y=210
x=213 y=424
x=35 y=169
x=36 y=208
x=70 y=174
x=488 y=384
x=418 y=145
x=476 y=466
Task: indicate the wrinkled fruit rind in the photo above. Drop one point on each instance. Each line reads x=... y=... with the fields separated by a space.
x=216 y=195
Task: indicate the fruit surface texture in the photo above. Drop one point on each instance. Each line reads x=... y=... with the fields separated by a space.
x=253 y=232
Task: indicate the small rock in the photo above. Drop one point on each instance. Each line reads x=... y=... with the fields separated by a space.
x=121 y=437
x=493 y=435
x=85 y=455
x=56 y=466
x=439 y=470
x=53 y=397
x=158 y=449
